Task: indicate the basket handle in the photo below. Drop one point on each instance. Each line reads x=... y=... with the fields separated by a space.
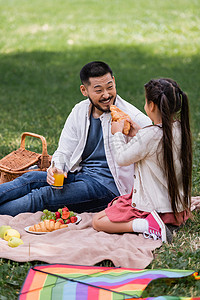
x=45 y=156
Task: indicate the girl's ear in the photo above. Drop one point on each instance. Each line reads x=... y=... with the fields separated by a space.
x=152 y=106
x=83 y=90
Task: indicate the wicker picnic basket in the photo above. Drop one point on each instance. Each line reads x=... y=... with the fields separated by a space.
x=21 y=161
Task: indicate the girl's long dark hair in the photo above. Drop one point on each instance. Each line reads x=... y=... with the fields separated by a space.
x=173 y=105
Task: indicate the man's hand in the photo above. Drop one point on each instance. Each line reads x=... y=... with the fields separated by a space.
x=50 y=177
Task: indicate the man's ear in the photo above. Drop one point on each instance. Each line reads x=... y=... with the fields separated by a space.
x=114 y=81
x=83 y=90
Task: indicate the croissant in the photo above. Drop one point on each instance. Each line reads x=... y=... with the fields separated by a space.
x=47 y=226
x=118 y=115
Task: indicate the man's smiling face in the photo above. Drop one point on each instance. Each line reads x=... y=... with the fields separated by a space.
x=101 y=91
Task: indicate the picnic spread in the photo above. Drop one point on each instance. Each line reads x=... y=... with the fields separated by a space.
x=78 y=243
x=72 y=242
x=68 y=242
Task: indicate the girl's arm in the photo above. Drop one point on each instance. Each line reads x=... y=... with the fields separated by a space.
x=134 y=128
x=143 y=143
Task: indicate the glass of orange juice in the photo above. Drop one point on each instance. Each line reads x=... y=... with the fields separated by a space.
x=59 y=177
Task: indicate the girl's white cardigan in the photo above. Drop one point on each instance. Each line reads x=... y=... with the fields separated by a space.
x=150 y=189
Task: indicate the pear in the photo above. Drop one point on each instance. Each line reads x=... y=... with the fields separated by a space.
x=14 y=242
x=3 y=229
x=10 y=233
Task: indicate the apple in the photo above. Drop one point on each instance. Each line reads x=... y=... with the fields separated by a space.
x=14 y=242
x=10 y=233
x=3 y=229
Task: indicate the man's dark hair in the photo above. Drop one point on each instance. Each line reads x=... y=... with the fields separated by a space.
x=94 y=69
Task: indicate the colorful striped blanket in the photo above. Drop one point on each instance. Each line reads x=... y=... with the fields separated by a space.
x=72 y=282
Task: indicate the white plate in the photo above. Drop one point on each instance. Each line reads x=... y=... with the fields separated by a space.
x=35 y=232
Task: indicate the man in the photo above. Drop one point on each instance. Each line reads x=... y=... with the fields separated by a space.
x=85 y=146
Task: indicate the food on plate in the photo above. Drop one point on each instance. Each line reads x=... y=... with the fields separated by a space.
x=62 y=215
x=10 y=233
x=14 y=242
x=47 y=226
x=65 y=215
x=118 y=115
x=73 y=219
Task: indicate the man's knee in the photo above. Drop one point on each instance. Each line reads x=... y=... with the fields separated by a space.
x=34 y=176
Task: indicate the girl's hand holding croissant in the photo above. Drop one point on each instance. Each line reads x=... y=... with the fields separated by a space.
x=117 y=126
x=134 y=128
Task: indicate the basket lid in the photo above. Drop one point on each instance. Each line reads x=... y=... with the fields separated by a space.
x=19 y=160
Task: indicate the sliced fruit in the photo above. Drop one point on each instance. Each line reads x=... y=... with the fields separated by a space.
x=65 y=215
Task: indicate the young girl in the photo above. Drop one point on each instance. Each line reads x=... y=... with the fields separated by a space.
x=162 y=154
x=195 y=203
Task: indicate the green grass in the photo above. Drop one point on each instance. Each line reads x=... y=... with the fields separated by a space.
x=43 y=46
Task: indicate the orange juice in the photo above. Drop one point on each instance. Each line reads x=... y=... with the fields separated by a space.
x=59 y=179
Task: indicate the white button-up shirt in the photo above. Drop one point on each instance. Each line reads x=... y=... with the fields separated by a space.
x=74 y=136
